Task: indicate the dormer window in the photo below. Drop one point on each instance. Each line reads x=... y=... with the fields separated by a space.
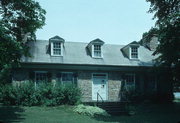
x=96 y=48
x=57 y=48
x=97 y=51
x=56 y=44
x=131 y=50
x=134 y=52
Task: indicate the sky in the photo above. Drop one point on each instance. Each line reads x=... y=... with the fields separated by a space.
x=113 y=21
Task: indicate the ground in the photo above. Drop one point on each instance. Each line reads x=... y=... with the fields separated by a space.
x=146 y=113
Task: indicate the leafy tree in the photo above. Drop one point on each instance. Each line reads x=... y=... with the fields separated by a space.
x=18 y=23
x=167 y=13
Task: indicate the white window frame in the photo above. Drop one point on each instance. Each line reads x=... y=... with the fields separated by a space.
x=131 y=51
x=93 y=50
x=40 y=72
x=134 y=80
x=52 y=48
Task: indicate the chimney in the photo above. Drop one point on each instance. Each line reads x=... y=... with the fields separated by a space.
x=153 y=43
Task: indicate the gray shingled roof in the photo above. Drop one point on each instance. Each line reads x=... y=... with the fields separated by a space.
x=77 y=53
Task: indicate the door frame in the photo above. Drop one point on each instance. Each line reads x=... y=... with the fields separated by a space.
x=106 y=74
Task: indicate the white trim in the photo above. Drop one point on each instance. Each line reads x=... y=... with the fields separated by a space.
x=106 y=77
x=101 y=46
x=134 y=77
x=52 y=46
x=130 y=50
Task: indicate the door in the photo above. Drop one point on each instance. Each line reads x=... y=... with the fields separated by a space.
x=99 y=86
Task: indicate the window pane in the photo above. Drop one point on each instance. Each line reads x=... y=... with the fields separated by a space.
x=130 y=79
x=57 y=48
x=67 y=77
x=41 y=77
x=97 y=50
x=134 y=52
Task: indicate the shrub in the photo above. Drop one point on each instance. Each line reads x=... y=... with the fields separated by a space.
x=44 y=94
x=90 y=110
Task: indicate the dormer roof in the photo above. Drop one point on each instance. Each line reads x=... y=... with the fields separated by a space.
x=96 y=41
x=134 y=43
x=56 y=38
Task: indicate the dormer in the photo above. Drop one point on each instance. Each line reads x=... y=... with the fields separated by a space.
x=131 y=50
x=96 y=48
x=56 y=46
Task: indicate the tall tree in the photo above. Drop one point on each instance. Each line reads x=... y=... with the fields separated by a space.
x=18 y=23
x=167 y=13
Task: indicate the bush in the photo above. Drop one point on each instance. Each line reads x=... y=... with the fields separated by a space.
x=44 y=94
x=90 y=110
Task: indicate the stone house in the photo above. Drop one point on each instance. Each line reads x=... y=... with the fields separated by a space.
x=95 y=67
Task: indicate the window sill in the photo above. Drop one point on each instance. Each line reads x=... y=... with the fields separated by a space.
x=97 y=57
x=57 y=55
x=134 y=59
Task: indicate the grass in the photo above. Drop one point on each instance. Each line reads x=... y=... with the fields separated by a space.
x=146 y=113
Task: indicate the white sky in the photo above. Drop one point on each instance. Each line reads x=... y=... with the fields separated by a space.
x=113 y=21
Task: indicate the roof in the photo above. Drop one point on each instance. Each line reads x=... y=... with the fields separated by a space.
x=134 y=43
x=77 y=53
x=57 y=38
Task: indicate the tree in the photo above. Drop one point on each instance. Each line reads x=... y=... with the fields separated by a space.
x=18 y=23
x=167 y=13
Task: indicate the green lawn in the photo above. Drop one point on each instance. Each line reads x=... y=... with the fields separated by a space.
x=146 y=113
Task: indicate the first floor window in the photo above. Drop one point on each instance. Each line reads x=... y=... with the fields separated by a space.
x=130 y=81
x=67 y=77
x=41 y=76
x=152 y=84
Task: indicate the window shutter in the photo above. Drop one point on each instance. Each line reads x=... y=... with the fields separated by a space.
x=75 y=76
x=49 y=77
x=59 y=76
x=31 y=75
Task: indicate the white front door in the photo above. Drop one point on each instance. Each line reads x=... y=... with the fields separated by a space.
x=99 y=86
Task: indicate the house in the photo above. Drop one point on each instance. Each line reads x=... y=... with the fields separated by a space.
x=95 y=67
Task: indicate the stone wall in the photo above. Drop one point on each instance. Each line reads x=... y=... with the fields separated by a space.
x=114 y=86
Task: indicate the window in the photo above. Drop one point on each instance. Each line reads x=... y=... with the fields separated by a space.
x=130 y=80
x=40 y=76
x=152 y=85
x=67 y=78
x=56 y=48
x=97 y=51
x=134 y=52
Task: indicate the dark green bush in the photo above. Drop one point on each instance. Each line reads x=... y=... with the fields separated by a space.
x=44 y=94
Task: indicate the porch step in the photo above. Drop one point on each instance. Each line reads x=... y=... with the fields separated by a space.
x=114 y=108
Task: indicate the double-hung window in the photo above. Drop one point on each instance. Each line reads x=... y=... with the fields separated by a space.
x=152 y=84
x=57 y=48
x=67 y=78
x=134 y=52
x=130 y=81
x=40 y=76
x=97 y=51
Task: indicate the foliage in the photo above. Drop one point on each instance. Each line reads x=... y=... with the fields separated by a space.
x=22 y=17
x=167 y=13
x=44 y=94
x=18 y=23
x=90 y=110
x=10 y=51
